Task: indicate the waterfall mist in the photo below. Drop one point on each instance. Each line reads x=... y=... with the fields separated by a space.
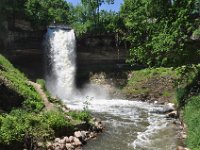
x=61 y=67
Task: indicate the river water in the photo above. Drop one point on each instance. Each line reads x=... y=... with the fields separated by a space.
x=130 y=125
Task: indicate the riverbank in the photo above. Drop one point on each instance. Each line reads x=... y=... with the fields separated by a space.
x=162 y=85
x=28 y=120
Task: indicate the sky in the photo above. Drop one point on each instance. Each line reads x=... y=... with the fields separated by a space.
x=113 y=7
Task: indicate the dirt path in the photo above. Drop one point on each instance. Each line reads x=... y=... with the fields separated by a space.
x=38 y=88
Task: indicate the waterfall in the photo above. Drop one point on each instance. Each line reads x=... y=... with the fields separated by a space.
x=60 y=62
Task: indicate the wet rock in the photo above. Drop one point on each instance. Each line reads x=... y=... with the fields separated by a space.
x=173 y=114
x=98 y=126
x=169 y=107
x=84 y=134
x=92 y=135
x=77 y=142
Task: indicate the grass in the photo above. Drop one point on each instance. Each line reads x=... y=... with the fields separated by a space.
x=191 y=118
x=29 y=122
x=16 y=81
x=150 y=81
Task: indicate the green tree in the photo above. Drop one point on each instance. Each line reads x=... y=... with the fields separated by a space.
x=43 y=12
x=158 y=30
x=92 y=9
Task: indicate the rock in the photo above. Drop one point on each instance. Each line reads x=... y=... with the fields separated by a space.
x=84 y=134
x=78 y=134
x=62 y=146
x=56 y=146
x=180 y=148
x=49 y=145
x=184 y=136
x=62 y=141
x=92 y=135
x=169 y=107
x=66 y=139
x=77 y=142
x=99 y=126
x=71 y=139
x=69 y=146
x=57 y=140
x=173 y=114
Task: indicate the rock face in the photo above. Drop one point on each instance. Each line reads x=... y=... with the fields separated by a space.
x=101 y=48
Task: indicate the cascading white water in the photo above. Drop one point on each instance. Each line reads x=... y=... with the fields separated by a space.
x=130 y=124
x=60 y=75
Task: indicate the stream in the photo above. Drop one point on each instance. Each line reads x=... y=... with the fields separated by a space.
x=130 y=125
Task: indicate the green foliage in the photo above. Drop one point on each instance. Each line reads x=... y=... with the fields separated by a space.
x=187 y=83
x=42 y=83
x=82 y=116
x=19 y=123
x=56 y=120
x=15 y=80
x=87 y=18
x=43 y=12
x=191 y=118
x=159 y=82
x=158 y=31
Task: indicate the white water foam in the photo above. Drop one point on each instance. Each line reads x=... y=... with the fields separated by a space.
x=60 y=82
x=60 y=77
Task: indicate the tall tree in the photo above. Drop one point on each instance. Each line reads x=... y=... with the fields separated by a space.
x=46 y=11
x=92 y=8
x=158 y=30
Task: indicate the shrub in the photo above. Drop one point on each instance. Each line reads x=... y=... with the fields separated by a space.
x=82 y=116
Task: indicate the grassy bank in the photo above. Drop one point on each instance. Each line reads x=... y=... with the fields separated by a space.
x=178 y=85
x=190 y=104
x=24 y=122
x=152 y=84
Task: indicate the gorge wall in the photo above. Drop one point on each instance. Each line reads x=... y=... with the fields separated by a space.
x=23 y=46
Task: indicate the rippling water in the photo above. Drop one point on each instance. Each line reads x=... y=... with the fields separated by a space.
x=130 y=125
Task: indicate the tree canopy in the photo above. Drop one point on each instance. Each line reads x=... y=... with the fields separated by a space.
x=159 y=30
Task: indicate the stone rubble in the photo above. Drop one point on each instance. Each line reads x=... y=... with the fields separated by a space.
x=76 y=141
